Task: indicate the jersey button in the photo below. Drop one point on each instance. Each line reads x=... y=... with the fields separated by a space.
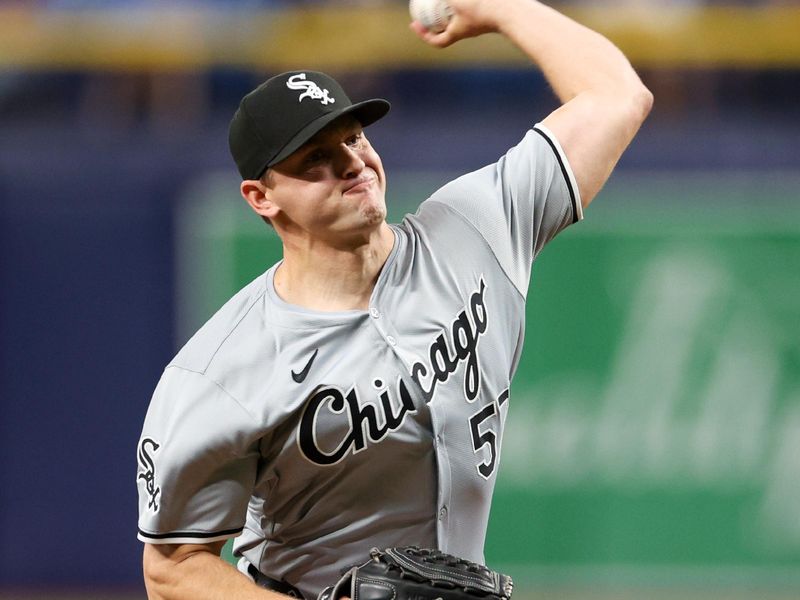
x=374 y=313
x=391 y=340
x=442 y=513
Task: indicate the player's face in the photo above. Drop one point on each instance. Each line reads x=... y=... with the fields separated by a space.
x=334 y=184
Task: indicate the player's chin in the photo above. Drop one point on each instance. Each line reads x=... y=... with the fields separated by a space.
x=371 y=205
x=373 y=213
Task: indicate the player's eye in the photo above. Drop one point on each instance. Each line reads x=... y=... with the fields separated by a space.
x=355 y=140
x=315 y=156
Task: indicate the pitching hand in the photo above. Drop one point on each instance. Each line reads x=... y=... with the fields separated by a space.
x=471 y=18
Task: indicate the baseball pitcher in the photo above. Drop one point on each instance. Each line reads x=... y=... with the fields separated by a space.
x=344 y=412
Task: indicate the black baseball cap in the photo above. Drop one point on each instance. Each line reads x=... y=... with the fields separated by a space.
x=284 y=112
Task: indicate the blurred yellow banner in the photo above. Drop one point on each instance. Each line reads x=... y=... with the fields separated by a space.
x=353 y=37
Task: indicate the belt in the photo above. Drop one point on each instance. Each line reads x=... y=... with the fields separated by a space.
x=267 y=582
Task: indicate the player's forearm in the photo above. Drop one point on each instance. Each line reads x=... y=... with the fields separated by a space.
x=197 y=576
x=573 y=58
x=603 y=100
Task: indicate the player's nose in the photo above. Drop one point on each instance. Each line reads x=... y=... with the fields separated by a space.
x=350 y=164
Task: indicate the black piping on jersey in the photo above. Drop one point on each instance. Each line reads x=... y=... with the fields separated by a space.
x=189 y=534
x=503 y=397
x=564 y=172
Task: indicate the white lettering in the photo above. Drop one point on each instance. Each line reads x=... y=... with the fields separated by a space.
x=694 y=401
x=309 y=88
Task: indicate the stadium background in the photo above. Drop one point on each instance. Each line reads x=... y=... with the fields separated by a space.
x=653 y=444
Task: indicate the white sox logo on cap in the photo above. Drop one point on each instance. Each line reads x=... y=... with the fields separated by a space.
x=272 y=121
x=312 y=90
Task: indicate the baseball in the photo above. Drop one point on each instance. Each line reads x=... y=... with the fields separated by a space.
x=433 y=14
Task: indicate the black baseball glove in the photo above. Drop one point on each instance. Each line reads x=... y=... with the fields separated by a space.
x=412 y=573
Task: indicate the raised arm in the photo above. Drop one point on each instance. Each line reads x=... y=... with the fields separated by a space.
x=603 y=100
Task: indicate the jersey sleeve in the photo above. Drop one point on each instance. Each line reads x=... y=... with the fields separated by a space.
x=519 y=203
x=197 y=460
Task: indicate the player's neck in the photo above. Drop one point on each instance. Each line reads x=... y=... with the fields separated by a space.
x=326 y=278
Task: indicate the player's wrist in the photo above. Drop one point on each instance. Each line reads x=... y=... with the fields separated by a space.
x=510 y=15
x=490 y=16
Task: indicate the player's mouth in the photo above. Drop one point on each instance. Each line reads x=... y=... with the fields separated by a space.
x=359 y=185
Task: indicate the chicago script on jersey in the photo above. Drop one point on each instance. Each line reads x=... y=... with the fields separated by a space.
x=371 y=422
x=333 y=401
x=446 y=352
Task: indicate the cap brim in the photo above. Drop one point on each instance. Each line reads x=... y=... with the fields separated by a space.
x=367 y=112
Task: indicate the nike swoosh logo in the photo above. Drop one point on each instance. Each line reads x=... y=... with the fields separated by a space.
x=301 y=376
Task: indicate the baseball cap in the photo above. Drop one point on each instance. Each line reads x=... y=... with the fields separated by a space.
x=284 y=112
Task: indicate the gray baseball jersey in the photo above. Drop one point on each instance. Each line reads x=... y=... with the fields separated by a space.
x=313 y=436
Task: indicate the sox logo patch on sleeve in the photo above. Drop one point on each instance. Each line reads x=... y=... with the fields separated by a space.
x=147 y=471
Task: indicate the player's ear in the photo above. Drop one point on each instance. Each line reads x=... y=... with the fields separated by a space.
x=257 y=195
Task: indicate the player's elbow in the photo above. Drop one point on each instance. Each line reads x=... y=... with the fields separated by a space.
x=157 y=570
x=627 y=109
x=172 y=570
x=637 y=104
x=642 y=101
